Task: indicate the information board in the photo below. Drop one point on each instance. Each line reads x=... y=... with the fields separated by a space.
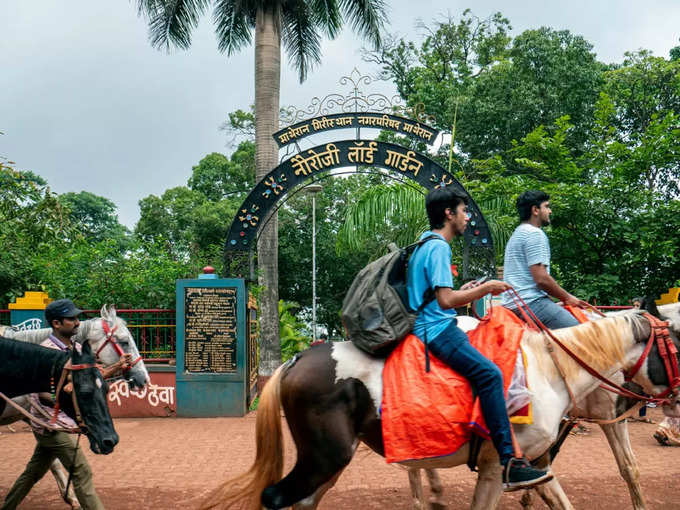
x=210 y=323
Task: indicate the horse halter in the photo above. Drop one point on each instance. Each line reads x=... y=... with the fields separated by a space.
x=660 y=335
x=70 y=367
x=111 y=339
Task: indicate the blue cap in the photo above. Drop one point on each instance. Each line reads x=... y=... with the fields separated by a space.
x=61 y=308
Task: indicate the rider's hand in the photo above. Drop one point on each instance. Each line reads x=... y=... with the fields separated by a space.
x=125 y=360
x=574 y=301
x=470 y=285
x=495 y=287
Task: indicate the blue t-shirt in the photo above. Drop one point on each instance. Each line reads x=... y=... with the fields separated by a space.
x=527 y=246
x=430 y=267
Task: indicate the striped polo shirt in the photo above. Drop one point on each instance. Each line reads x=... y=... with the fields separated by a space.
x=527 y=246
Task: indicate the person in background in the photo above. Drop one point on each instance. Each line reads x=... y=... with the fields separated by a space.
x=527 y=265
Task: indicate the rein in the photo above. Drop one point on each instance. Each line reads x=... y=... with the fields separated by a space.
x=671 y=366
x=51 y=424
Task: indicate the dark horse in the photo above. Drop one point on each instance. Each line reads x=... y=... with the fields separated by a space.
x=27 y=368
x=331 y=395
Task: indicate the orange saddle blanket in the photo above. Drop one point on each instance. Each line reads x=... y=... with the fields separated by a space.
x=431 y=414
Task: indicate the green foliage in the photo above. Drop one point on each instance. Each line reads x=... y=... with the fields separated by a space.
x=93 y=216
x=218 y=177
x=335 y=270
x=500 y=88
x=96 y=273
x=290 y=329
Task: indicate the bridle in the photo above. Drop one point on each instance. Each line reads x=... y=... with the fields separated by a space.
x=110 y=338
x=65 y=372
x=659 y=334
x=51 y=423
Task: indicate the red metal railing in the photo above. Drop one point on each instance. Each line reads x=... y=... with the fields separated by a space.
x=152 y=328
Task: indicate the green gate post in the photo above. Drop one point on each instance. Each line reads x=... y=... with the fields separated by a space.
x=212 y=376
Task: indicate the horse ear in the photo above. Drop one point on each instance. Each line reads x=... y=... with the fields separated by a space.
x=649 y=305
x=112 y=313
x=103 y=311
x=86 y=350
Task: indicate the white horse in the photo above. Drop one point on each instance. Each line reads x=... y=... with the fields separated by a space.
x=598 y=405
x=94 y=330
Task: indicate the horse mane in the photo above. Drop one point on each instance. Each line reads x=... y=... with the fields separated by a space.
x=597 y=343
x=25 y=361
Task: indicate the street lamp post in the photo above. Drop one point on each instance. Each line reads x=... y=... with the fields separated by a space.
x=313 y=189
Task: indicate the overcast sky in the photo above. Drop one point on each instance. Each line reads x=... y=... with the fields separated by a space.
x=88 y=104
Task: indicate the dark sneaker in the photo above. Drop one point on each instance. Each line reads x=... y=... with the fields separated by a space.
x=519 y=474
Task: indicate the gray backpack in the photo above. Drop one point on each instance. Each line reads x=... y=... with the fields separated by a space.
x=375 y=311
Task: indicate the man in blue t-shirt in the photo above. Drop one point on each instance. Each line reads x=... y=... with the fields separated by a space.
x=527 y=265
x=436 y=324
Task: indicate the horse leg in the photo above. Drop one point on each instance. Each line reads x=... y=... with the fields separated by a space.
x=326 y=445
x=527 y=500
x=312 y=501
x=553 y=495
x=416 y=483
x=436 y=490
x=61 y=478
x=619 y=442
x=489 y=487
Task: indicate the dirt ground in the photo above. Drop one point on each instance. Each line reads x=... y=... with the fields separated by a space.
x=167 y=463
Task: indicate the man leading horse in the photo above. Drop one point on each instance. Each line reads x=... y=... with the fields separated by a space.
x=62 y=316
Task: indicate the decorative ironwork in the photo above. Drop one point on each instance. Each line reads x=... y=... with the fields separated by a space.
x=417 y=113
x=354 y=101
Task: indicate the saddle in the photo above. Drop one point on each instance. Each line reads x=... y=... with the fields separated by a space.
x=432 y=414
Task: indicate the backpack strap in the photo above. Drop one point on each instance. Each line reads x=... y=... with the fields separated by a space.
x=428 y=295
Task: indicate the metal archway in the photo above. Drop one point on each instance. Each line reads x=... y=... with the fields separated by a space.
x=478 y=254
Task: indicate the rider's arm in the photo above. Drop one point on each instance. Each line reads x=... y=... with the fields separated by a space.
x=449 y=298
x=547 y=283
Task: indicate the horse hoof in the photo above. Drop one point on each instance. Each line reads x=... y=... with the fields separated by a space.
x=661 y=438
x=437 y=506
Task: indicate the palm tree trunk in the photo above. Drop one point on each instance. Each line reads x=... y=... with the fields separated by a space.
x=267 y=88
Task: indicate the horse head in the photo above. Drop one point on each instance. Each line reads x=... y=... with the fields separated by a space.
x=87 y=402
x=110 y=337
x=656 y=370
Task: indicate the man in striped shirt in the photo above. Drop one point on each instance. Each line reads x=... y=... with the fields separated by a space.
x=527 y=265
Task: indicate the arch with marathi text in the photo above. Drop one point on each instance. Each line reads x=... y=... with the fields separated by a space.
x=401 y=162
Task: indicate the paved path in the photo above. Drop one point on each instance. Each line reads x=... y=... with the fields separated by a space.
x=166 y=463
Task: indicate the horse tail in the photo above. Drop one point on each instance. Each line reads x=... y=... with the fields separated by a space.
x=245 y=490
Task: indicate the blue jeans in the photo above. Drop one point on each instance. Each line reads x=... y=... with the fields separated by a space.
x=550 y=313
x=453 y=347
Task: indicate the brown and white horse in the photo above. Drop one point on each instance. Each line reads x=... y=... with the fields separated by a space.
x=331 y=395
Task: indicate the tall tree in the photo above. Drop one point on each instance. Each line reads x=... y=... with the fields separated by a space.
x=299 y=24
x=94 y=216
x=496 y=89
